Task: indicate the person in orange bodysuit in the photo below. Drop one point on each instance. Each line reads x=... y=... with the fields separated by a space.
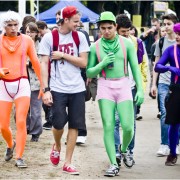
x=14 y=85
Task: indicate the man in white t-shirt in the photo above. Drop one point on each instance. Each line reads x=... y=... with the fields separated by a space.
x=67 y=88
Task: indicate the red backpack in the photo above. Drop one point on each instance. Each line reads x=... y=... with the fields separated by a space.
x=55 y=35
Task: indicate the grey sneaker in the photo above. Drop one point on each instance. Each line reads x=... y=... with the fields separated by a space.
x=127 y=159
x=131 y=154
x=20 y=163
x=9 y=152
x=112 y=171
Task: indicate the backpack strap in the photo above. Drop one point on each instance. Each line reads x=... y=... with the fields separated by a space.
x=76 y=39
x=176 y=60
x=124 y=53
x=55 y=35
x=161 y=42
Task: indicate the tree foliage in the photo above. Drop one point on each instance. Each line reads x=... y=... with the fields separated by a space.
x=133 y=7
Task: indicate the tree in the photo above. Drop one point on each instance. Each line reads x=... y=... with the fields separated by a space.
x=11 y=5
x=177 y=8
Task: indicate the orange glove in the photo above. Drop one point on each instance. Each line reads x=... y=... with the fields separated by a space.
x=3 y=72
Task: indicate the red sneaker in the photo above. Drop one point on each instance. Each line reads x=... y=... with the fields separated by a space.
x=54 y=157
x=70 y=169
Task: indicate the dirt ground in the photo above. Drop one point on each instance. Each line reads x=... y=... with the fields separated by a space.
x=91 y=159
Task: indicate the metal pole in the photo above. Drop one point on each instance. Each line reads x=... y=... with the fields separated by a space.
x=22 y=8
x=32 y=7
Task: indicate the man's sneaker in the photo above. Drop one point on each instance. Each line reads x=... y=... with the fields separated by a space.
x=171 y=160
x=47 y=126
x=54 y=157
x=112 y=171
x=9 y=152
x=20 y=163
x=118 y=160
x=70 y=169
x=81 y=140
x=177 y=150
x=159 y=115
x=131 y=154
x=127 y=159
x=139 y=117
x=163 y=150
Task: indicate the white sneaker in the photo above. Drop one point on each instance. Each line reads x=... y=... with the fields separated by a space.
x=177 y=150
x=163 y=150
x=81 y=140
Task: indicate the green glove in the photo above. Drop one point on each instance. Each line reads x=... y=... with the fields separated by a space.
x=139 y=97
x=94 y=69
x=108 y=59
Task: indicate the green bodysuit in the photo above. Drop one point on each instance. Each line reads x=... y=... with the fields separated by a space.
x=111 y=51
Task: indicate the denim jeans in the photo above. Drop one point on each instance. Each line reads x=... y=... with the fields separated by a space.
x=162 y=92
x=116 y=129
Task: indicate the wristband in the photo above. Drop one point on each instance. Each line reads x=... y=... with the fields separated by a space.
x=46 y=89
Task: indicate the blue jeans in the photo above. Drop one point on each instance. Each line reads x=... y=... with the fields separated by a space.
x=116 y=129
x=162 y=92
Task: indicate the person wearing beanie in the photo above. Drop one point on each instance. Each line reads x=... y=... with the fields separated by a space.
x=170 y=61
x=108 y=58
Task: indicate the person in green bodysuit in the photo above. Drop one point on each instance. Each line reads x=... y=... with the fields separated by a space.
x=108 y=58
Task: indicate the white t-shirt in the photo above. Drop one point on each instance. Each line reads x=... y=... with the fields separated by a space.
x=66 y=77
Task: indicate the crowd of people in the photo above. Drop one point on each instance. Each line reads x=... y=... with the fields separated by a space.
x=54 y=68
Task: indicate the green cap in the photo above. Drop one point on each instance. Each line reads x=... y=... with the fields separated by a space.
x=107 y=16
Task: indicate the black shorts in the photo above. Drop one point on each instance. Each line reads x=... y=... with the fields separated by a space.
x=172 y=104
x=68 y=108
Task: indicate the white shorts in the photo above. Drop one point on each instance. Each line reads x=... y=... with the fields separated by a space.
x=9 y=91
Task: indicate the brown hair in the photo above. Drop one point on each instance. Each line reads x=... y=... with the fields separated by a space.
x=154 y=20
x=170 y=17
x=41 y=25
x=33 y=27
x=58 y=12
x=28 y=19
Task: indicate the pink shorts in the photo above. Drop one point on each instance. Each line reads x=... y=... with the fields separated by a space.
x=117 y=90
x=10 y=91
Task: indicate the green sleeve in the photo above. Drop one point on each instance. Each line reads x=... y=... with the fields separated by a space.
x=94 y=67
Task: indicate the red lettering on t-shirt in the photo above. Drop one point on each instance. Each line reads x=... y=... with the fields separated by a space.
x=67 y=48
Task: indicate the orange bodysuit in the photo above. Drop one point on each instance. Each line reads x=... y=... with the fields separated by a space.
x=13 y=54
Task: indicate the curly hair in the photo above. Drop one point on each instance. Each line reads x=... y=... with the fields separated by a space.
x=10 y=16
x=123 y=21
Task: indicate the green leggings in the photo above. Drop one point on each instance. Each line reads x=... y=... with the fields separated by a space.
x=126 y=115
